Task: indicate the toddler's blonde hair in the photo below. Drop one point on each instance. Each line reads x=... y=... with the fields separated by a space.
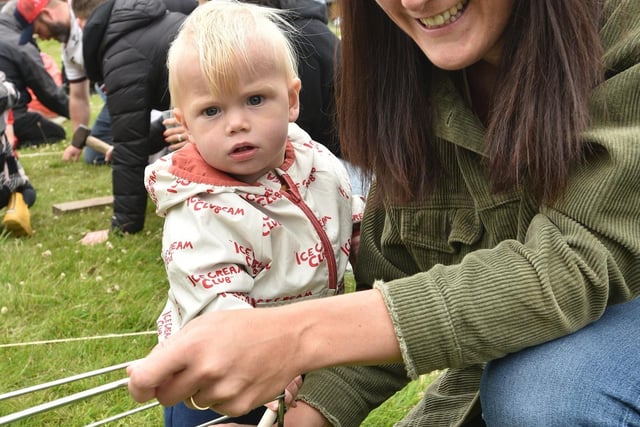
x=232 y=38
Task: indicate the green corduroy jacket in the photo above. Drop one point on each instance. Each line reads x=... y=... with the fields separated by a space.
x=469 y=276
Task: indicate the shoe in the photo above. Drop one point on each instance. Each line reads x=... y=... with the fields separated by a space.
x=17 y=219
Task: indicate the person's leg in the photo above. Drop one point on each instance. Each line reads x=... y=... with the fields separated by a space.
x=101 y=129
x=102 y=125
x=28 y=194
x=589 y=378
x=4 y=196
x=34 y=129
x=182 y=416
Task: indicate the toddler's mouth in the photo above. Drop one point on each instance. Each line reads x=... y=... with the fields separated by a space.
x=241 y=149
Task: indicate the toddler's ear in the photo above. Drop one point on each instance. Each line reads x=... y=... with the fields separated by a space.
x=294 y=99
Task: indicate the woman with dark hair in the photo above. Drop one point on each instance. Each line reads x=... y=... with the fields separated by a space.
x=501 y=237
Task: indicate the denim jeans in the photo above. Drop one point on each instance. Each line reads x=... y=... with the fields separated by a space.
x=588 y=378
x=182 y=416
x=102 y=130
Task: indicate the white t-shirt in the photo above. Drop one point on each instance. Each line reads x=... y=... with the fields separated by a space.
x=72 y=52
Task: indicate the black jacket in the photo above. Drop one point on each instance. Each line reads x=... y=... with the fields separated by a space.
x=317 y=48
x=125 y=44
x=24 y=68
x=182 y=6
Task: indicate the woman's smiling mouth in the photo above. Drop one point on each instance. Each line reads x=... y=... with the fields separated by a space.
x=447 y=17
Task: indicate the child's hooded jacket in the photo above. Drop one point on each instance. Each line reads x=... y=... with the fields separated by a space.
x=229 y=245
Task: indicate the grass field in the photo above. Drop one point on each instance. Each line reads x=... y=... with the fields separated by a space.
x=101 y=302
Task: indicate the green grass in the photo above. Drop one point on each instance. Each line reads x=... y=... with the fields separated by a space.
x=53 y=288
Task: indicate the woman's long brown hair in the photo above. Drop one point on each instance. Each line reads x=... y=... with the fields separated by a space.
x=551 y=62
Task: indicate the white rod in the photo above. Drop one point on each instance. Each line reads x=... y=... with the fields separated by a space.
x=66 y=380
x=63 y=401
x=215 y=421
x=124 y=414
x=268 y=418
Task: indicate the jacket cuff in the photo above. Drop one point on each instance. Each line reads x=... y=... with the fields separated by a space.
x=320 y=392
x=346 y=395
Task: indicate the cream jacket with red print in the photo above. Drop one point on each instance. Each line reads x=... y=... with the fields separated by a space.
x=230 y=245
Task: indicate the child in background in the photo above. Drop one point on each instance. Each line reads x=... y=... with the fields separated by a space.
x=256 y=213
x=16 y=192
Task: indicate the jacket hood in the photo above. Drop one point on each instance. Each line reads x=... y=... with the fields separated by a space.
x=308 y=9
x=305 y=9
x=109 y=22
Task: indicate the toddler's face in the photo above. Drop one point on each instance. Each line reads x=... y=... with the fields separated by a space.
x=243 y=132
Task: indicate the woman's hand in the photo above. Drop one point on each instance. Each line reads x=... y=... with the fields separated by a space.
x=236 y=360
x=245 y=363
x=175 y=134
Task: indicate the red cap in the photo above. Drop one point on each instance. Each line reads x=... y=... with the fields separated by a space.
x=26 y=12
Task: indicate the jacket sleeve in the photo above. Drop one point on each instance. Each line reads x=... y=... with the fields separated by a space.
x=181 y=6
x=360 y=389
x=128 y=94
x=40 y=81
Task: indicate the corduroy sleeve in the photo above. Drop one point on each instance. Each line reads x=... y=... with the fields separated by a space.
x=346 y=395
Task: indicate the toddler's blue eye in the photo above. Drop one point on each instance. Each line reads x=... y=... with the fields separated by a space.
x=255 y=100
x=211 y=111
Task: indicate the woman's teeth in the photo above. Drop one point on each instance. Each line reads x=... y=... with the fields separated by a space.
x=445 y=17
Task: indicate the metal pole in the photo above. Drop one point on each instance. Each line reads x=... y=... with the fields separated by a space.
x=215 y=421
x=63 y=401
x=61 y=381
x=123 y=414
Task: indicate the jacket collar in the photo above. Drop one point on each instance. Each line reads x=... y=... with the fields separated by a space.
x=455 y=121
x=93 y=40
x=187 y=163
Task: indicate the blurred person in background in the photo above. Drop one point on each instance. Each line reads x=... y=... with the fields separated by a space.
x=16 y=192
x=125 y=44
x=54 y=19
x=23 y=66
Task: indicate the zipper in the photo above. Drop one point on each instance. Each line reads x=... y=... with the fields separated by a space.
x=292 y=194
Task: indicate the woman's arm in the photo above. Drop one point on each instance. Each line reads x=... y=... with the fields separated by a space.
x=252 y=355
